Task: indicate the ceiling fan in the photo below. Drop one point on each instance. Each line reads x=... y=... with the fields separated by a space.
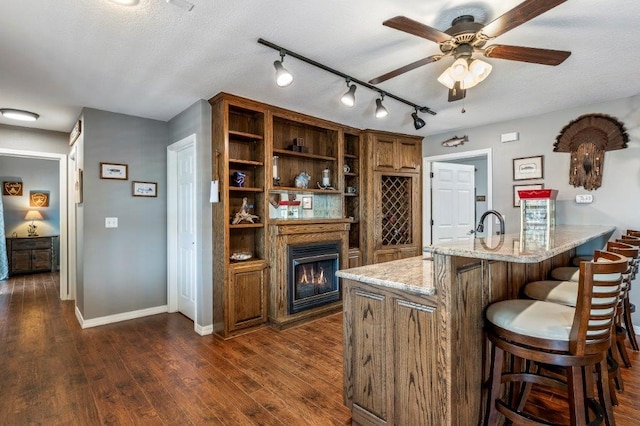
x=466 y=37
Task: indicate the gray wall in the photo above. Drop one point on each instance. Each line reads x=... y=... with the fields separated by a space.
x=35 y=175
x=615 y=203
x=25 y=139
x=197 y=119
x=123 y=269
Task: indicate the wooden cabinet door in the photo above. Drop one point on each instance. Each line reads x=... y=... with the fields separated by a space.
x=384 y=153
x=406 y=252
x=247 y=301
x=41 y=260
x=408 y=155
x=20 y=261
x=355 y=258
x=385 y=255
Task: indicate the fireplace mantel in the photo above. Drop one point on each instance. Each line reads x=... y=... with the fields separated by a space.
x=283 y=233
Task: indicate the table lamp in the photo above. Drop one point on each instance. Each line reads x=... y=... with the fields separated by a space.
x=33 y=215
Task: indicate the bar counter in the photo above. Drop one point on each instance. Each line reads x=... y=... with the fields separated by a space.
x=413 y=342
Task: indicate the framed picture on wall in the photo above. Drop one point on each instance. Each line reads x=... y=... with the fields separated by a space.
x=114 y=171
x=516 y=188
x=145 y=189
x=526 y=168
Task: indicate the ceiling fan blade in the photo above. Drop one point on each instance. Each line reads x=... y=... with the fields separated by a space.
x=520 y=14
x=526 y=54
x=410 y=26
x=402 y=70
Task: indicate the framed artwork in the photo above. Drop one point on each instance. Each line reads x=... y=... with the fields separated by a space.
x=516 y=188
x=39 y=198
x=144 y=189
x=307 y=202
x=75 y=132
x=528 y=168
x=12 y=188
x=114 y=171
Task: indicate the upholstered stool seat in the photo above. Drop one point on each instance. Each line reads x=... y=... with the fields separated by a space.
x=562 y=292
x=568 y=340
x=566 y=273
x=576 y=260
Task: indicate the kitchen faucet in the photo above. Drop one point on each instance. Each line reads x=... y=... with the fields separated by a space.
x=480 y=227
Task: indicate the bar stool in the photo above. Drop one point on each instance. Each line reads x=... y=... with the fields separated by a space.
x=629 y=308
x=574 y=339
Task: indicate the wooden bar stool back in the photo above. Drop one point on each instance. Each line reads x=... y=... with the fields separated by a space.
x=575 y=340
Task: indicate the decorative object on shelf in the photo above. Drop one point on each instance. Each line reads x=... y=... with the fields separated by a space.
x=241 y=256
x=38 y=198
x=587 y=138
x=346 y=168
x=298 y=146
x=516 y=188
x=238 y=178
x=114 y=171
x=352 y=88
x=243 y=214
x=455 y=141
x=351 y=190
x=33 y=215
x=326 y=179
x=307 y=202
x=12 y=188
x=289 y=209
x=302 y=180
x=145 y=189
x=527 y=168
x=276 y=176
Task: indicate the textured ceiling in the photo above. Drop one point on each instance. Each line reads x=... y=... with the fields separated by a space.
x=155 y=59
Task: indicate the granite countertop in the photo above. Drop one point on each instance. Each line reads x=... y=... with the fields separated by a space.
x=530 y=247
x=414 y=274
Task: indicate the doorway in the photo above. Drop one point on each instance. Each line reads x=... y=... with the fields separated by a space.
x=183 y=243
x=482 y=156
x=67 y=288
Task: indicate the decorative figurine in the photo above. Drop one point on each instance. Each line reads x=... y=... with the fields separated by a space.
x=244 y=215
x=302 y=180
x=238 y=179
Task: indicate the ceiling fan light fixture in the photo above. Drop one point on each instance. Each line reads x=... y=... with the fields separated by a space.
x=381 y=111
x=283 y=76
x=446 y=80
x=459 y=69
x=349 y=98
x=18 y=114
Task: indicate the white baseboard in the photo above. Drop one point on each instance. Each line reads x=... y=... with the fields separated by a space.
x=119 y=317
x=203 y=330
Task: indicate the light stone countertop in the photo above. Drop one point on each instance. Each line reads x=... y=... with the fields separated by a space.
x=414 y=274
x=532 y=247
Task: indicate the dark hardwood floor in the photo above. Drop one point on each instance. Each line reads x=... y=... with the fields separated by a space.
x=157 y=370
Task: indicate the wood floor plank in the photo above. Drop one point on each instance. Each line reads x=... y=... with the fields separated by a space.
x=156 y=370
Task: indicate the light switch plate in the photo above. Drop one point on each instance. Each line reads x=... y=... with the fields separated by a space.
x=110 y=222
x=584 y=198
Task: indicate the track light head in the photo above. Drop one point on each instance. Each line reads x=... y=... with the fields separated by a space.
x=418 y=122
x=381 y=111
x=283 y=76
x=349 y=98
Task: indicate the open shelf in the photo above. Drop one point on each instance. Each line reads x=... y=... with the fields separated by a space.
x=247 y=137
x=246 y=225
x=245 y=189
x=246 y=162
x=289 y=153
x=295 y=189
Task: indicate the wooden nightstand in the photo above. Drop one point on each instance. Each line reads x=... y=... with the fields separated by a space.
x=31 y=254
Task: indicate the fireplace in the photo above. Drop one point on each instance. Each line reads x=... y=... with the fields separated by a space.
x=311 y=272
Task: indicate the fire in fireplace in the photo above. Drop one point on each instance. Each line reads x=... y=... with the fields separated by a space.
x=312 y=280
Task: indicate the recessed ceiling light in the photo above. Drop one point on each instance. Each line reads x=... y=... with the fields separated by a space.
x=125 y=2
x=17 y=114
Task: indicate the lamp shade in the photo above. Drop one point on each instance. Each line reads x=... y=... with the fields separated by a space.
x=381 y=111
x=33 y=215
x=349 y=98
x=418 y=122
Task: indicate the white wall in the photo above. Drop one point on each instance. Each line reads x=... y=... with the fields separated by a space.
x=616 y=202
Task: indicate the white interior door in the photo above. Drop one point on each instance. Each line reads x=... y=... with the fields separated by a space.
x=186 y=224
x=453 y=202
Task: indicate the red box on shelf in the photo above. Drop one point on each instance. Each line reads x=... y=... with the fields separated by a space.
x=538 y=194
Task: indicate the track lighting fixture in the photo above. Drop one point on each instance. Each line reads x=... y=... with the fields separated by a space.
x=418 y=122
x=381 y=111
x=18 y=114
x=349 y=98
x=283 y=77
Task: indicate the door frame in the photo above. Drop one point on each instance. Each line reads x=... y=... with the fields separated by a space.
x=172 y=229
x=67 y=288
x=426 y=185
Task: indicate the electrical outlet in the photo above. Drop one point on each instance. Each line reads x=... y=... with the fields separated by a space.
x=110 y=222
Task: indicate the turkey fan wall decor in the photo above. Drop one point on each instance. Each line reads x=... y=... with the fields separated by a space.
x=587 y=138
